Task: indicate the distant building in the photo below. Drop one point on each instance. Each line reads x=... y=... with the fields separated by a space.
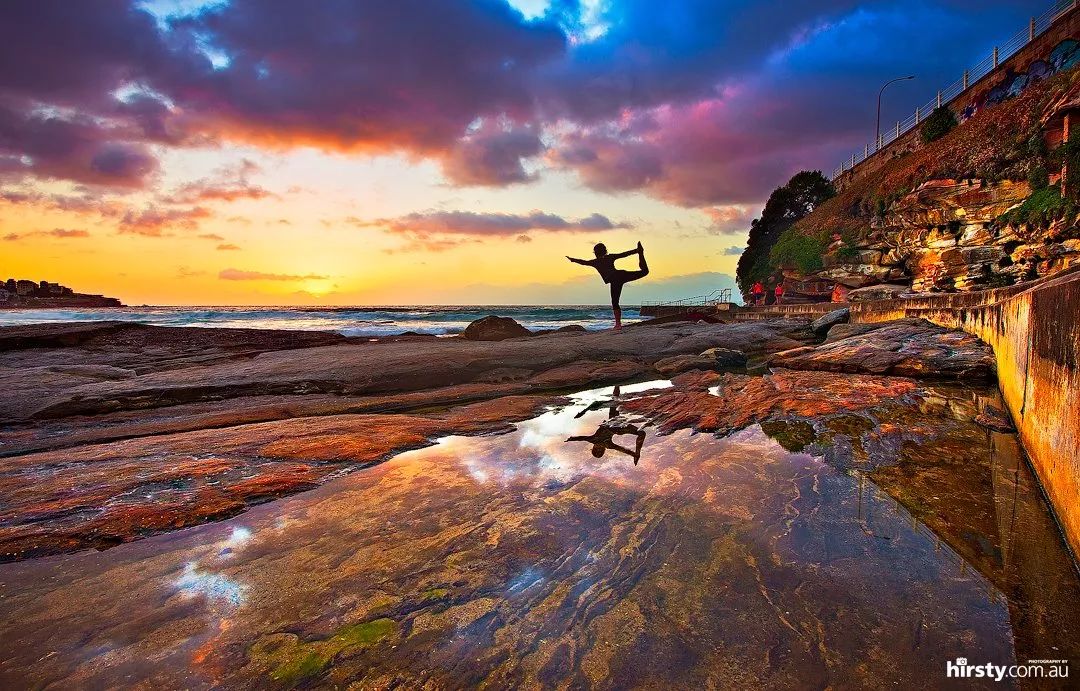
x=16 y=293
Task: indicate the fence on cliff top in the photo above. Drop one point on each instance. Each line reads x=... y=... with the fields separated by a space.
x=709 y=300
x=1036 y=27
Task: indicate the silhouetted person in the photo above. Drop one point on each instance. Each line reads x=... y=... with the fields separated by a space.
x=604 y=436
x=611 y=404
x=616 y=278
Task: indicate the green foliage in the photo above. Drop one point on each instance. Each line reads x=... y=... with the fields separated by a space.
x=847 y=251
x=802 y=252
x=786 y=205
x=1042 y=207
x=1068 y=154
x=849 y=245
x=939 y=123
x=1038 y=178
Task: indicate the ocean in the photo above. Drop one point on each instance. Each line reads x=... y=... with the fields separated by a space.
x=350 y=321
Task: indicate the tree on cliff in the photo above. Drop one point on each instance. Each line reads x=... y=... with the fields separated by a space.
x=785 y=206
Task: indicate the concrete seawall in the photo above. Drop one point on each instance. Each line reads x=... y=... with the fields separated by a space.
x=1034 y=330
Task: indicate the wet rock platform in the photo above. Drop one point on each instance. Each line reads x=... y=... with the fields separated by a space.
x=183 y=513
x=807 y=543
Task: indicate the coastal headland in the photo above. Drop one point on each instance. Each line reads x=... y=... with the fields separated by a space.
x=26 y=294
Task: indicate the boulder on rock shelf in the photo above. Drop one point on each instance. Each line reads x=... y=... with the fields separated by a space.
x=841 y=331
x=678 y=364
x=882 y=291
x=822 y=324
x=902 y=349
x=725 y=357
x=568 y=329
x=725 y=360
x=493 y=328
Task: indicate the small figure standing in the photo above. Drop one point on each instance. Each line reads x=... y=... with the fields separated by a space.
x=757 y=293
x=604 y=264
x=778 y=292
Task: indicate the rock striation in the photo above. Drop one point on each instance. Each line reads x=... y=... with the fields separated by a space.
x=906 y=349
x=949 y=235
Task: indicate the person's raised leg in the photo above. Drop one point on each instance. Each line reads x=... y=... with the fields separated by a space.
x=642 y=265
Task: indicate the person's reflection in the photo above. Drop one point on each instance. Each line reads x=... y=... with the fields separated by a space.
x=603 y=438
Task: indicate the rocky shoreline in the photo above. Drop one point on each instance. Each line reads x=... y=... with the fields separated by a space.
x=111 y=432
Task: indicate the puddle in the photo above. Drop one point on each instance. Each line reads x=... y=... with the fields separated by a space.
x=845 y=552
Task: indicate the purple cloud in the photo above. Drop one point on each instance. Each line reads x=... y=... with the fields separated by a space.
x=471 y=223
x=696 y=102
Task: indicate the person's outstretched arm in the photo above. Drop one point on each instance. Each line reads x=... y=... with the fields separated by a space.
x=586 y=262
x=620 y=255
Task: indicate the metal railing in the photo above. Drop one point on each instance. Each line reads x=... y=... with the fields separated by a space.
x=708 y=300
x=1036 y=27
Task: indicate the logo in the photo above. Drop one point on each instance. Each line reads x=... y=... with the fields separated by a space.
x=1032 y=669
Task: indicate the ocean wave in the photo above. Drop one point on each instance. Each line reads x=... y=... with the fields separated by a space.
x=351 y=321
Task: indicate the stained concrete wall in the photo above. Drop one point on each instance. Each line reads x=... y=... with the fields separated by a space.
x=1034 y=329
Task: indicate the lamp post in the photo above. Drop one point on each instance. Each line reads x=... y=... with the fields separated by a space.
x=877 y=129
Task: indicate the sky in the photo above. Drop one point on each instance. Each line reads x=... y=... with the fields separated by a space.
x=273 y=152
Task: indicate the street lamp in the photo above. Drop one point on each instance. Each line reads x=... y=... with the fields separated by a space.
x=877 y=139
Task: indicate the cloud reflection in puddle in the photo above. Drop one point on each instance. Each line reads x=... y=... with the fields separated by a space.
x=542 y=458
x=213 y=586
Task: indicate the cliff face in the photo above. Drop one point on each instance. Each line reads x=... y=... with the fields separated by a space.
x=990 y=204
x=949 y=235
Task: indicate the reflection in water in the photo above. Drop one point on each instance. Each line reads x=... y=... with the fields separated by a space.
x=603 y=439
x=843 y=551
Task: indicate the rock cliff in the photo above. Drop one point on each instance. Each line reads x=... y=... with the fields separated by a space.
x=990 y=204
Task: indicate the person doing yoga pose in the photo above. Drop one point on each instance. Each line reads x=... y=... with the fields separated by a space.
x=603 y=438
x=616 y=278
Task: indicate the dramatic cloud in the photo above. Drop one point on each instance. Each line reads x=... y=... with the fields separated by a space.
x=694 y=102
x=493 y=156
x=224 y=247
x=228 y=184
x=734 y=251
x=729 y=219
x=490 y=224
x=240 y=275
x=379 y=76
x=75 y=147
x=155 y=222
x=60 y=233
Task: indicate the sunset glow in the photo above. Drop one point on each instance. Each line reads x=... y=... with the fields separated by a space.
x=196 y=153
